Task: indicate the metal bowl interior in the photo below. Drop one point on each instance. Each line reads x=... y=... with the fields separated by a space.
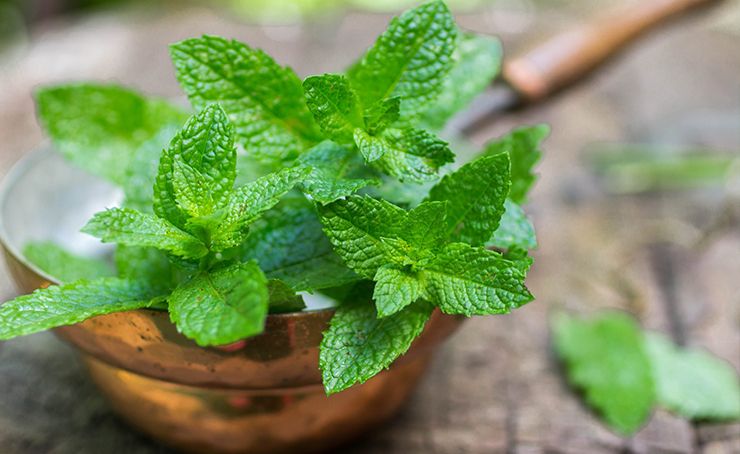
x=44 y=198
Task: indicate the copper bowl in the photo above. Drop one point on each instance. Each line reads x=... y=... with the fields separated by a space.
x=263 y=395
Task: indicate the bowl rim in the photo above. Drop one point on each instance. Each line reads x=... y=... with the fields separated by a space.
x=18 y=170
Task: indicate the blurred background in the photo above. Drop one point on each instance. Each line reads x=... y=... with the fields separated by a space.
x=637 y=208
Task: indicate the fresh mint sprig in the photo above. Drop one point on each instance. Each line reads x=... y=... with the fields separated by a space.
x=263 y=194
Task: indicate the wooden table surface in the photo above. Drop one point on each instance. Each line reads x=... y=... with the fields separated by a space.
x=495 y=387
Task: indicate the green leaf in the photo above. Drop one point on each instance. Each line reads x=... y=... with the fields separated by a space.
x=407 y=154
x=476 y=193
x=132 y=228
x=283 y=299
x=206 y=145
x=336 y=172
x=146 y=264
x=514 y=231
x=355 y=226
x=248 y=202
x=358 y=345
x=99 y=127
x=477 y=60
x=192 y=191
x=68 y=304
x=523 y=146
x=606 y=358
x=394 y=290
x=62 y=265
x=289 y=245
x=371 y=147
x=223 y=306
x=410 y=59
x=264 y=100
x=693 y=383
x=334 y=106
x=425 y=225
x=474 y=281
x=382 y=114
x=141 y=173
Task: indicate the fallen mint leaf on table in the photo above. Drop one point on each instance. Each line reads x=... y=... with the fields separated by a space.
x=693 y=383
x=625 y=373
x=606 y=358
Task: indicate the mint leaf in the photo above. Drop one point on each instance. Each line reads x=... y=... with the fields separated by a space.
x=607 y=359
x=371 y=147
x=289 y=245
x=514 y=231
x=68 y=304
x=382 y=114
x=693 y=383
x=425 y=226
x=476 y=193
x=410 y=59
x=394 y=290
x=98 y=127
x=466 y=280
x=283 y=299
x=62 y=265
x=141 y=173
x=264 y=100
x=248 y=202
x=355 y=227
x=523 y=146
x=132 y=228
x=358 y=345
x=477 y=60
x=192 y=191
x=408 y=154
x=334 y=105
x=336 y=172
x=206 y=145
x=223 y=306
x=146 y=264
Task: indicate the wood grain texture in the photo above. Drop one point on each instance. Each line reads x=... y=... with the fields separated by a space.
x=495 y=387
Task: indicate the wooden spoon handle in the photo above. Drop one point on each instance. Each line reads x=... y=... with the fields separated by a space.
x=567 y=57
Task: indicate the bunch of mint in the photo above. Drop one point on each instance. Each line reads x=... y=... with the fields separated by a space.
x=338 y=184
